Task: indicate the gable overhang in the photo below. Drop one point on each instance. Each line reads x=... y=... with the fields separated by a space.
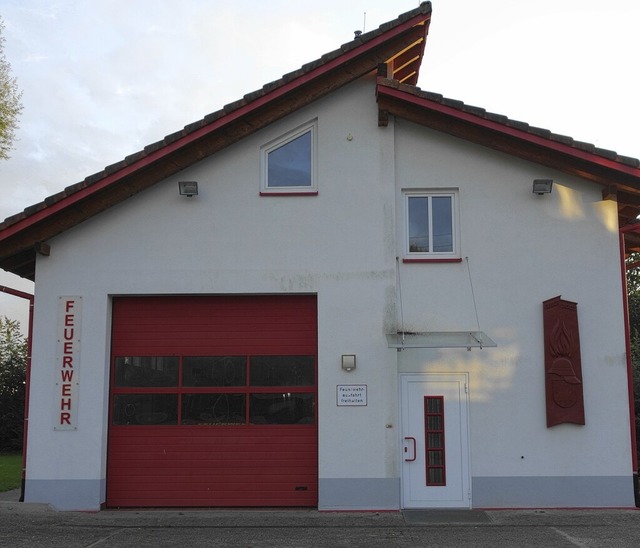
x=399 y=45
x=618 y=176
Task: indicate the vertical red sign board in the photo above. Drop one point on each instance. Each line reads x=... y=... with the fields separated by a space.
x=67 y=371
x=562 y=365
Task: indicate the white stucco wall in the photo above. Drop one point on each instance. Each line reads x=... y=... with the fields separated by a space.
x=522 y=249
x=342 y=245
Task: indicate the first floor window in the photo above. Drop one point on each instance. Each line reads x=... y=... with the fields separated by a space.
x=431 y=224
x=288 y=163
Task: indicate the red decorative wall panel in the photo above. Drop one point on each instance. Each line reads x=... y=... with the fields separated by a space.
x=563 y=367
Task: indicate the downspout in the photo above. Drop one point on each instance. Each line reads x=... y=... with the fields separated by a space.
x=30 y=298
x=632 y=412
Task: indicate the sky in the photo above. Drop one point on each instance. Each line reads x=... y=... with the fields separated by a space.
x=101 y=79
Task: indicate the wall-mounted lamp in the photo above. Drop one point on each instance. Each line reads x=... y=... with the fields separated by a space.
x=348 y=362
x=188 y=188
x=542 y=186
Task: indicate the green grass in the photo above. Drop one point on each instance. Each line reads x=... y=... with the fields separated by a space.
x=10 y=472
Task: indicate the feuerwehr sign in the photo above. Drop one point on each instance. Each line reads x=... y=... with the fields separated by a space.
x=67 y=372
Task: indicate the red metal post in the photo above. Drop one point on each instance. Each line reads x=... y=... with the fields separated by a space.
x=30 y=298
x=632 y=411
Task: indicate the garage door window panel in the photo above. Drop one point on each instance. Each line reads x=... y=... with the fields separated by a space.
x=214 y=371
x=145 y=409
x=282 y=408
x=146 y=371
x=213 y=409
x=282 y=370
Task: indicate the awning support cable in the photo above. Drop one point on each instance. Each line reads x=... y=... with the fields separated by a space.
x=473 y=295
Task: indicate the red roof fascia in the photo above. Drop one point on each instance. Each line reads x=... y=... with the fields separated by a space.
x=211 y=127
x=423 y=102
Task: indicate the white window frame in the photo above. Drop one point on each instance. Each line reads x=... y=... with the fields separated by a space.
x=432 y=255
x=265 y=150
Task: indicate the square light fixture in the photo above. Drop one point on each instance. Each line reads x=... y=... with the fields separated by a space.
x=348 y=362
x=188 y=188
x=542 y=186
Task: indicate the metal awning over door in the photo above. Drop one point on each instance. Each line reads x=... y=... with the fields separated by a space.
x=440 y=339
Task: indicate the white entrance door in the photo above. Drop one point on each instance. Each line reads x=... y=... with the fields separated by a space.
x=435 y=445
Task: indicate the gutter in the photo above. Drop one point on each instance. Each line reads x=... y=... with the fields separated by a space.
x=29 y=297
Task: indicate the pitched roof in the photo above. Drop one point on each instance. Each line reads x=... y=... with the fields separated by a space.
x=398 y=46
x=618 y=175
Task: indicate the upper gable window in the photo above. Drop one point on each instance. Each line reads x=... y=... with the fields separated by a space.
x=288 y=163
x=431 y=224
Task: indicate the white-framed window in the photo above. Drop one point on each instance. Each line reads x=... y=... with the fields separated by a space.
x=431 y=224
x=288 y=164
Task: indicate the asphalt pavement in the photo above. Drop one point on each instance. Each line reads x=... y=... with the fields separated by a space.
x=36 y=525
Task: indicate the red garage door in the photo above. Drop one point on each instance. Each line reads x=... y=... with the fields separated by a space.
x=213 y=402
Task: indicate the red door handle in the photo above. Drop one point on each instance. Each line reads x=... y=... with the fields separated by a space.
x=406 y=449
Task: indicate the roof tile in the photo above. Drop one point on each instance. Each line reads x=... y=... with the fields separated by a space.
x=540 y=132
x=230 y=107
x=564 y=139
x=173 y=137
x=75 y=188
x=31 y=210
x=50 y=200
x=499 y=118
x=581 y=145
x=609 y=154
x=136 y=156
x=454 y=103
x=249 y=97
x=522 y=126
x=95 y=177
x=115 y=167
x=478 y=111
x=629 y=161
x=153 y=147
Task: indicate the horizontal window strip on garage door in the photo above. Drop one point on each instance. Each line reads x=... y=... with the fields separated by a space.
x=216 y=390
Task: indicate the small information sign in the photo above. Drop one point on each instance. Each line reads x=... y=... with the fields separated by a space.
x=351 y=394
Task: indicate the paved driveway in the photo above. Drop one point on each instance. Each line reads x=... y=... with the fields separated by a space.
x=35 y=525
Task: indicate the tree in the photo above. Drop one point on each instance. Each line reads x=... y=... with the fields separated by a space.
x=13 y=366
x=10 y=105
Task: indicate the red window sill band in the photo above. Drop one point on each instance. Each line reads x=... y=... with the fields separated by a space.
x=303 y=193
x=459 y=260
